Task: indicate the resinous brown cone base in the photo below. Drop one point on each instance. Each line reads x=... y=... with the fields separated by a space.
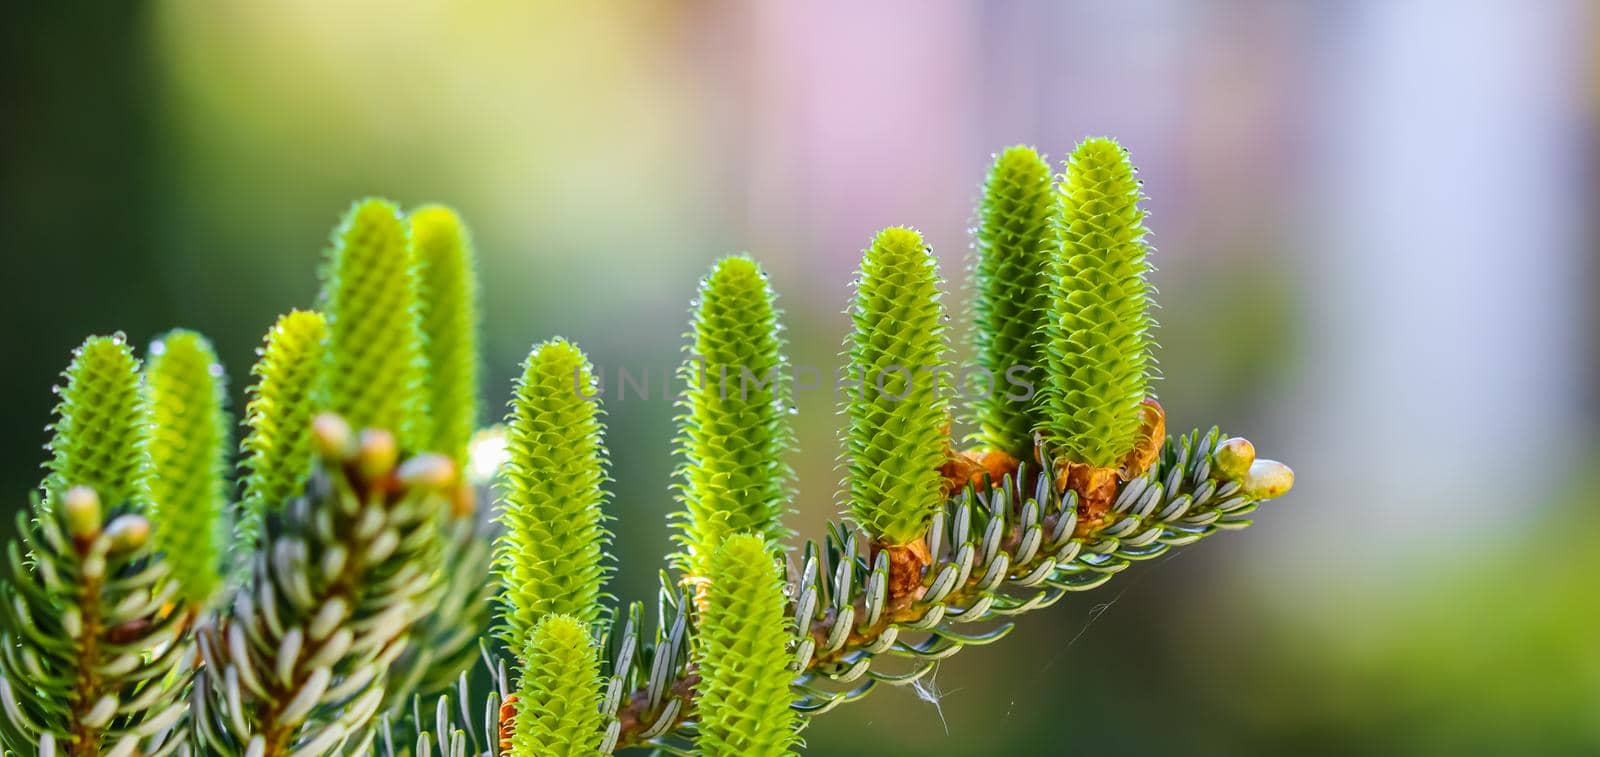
x=908 y=564
x=508 y=722
x=1097 y=487
x=984 y=467
x=969 y=467
x=1147 y=448
x=695 y=588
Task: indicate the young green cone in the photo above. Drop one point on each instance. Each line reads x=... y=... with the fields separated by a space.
x=734 y=430
x=286 y=396
x=1013 y=241
x=189 y=450
x=743 y=655
x=449 y=313
x=899 y=419
x=558 y=700
x=551 y=559
x=1098 y=334
x=376 y=371
x=100 y=438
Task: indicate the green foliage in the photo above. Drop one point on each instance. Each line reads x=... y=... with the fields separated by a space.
x=558 y=700
x=1098 y=333
x=444 y=643
x=376 y=371
x=993 y=555
x=100 y=438
x=277 y=446
x=551 y=557
x=367 y=583
x=455 y=725
x=734 y=430
x=743 y=656
x=899 y=420
x=1013 y=241
x=449 y=310
x=91 y=661
x=189 y=450
x=299 y=663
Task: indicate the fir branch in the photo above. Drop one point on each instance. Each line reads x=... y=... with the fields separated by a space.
x=652 y=685
x=442 y=644
x=1098 y=334
x=92 y=663
x=994 y=554
x=376 y=376
x=1013 y=240
x=189 y=450
x=899 y=420
x=734 y=430
x=448 y=302
x=551 y=557
x=999 y=553
x=277 y=445
x=558 y=700
x=299 y=662
x=90 y=659
x=454 y=726
x=100 y=437
x=743 y=656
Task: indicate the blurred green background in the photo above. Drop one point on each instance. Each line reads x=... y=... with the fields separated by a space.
x=1374 y=231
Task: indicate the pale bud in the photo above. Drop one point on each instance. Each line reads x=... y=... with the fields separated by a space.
x=335 y=440
x=428 y=470
x=1233 y=458
x=128 y=532
x=81 y=506
x=1268 y=479
x=377 y=454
